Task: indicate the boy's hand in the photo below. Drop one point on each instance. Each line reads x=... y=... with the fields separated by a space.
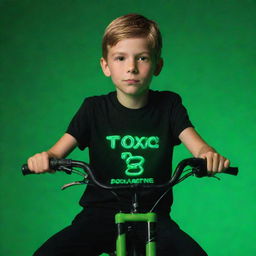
x=39 y=163
x=215 y=162
x=199 y=148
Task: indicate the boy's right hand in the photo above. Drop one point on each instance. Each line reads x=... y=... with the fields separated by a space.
x=39 y=163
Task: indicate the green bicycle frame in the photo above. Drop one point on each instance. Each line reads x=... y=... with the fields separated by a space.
x=122 y=218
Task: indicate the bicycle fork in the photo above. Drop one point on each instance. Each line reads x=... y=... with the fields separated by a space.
x=122 y=218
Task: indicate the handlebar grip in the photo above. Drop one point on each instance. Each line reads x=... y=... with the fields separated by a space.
x=199 y=166
x=231 y=170
x=203 y=172
x=53 y=162
x=25 y=170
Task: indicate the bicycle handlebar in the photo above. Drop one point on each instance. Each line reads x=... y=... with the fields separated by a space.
x=198 y=165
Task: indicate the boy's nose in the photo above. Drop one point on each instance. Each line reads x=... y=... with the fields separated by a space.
x=132 y=67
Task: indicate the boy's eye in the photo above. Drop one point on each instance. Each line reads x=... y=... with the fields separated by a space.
x=119 y=58
x=143 y=58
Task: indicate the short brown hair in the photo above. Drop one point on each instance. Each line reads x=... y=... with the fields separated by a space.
x=129 y=26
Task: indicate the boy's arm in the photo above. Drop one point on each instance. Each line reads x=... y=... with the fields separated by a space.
x=39 y=163
x=63 y=147
x=199 y=148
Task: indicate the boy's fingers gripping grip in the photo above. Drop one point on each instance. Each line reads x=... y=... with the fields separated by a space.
x=53 y=162
x=200 y=168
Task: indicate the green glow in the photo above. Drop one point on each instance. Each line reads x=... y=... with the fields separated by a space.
x=153 y=142
x=113 y=139
x=127 y=142
x=134 y=163
x=133 y=181
x=133 y=168
x=135 y=142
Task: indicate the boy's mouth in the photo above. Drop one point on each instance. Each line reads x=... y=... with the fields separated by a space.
x=131 y=81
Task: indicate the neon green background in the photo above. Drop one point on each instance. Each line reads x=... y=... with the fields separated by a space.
x=49 y=61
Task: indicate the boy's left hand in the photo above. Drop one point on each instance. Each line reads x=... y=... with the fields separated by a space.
x=199 y=148
x=215 y=162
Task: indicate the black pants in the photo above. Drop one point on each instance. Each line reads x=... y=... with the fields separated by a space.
x=93 y=232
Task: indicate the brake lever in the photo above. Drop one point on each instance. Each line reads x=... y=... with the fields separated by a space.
x=82 y=182
x=70 y=170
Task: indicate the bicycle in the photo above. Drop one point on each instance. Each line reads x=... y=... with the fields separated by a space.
x=197 y=168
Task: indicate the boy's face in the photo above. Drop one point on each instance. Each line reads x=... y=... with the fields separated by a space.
x=131 y=64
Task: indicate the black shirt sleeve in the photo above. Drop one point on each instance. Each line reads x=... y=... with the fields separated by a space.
x=79 y=126
x=179 y=118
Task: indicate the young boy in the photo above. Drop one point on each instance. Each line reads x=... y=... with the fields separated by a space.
x=130 y=133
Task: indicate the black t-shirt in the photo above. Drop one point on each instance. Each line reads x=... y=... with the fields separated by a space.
x=129 y=145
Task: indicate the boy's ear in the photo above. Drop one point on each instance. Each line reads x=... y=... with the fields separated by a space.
x=159 y=66
x=104 y=66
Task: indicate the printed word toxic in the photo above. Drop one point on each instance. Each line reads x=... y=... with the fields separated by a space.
x=133 y=142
